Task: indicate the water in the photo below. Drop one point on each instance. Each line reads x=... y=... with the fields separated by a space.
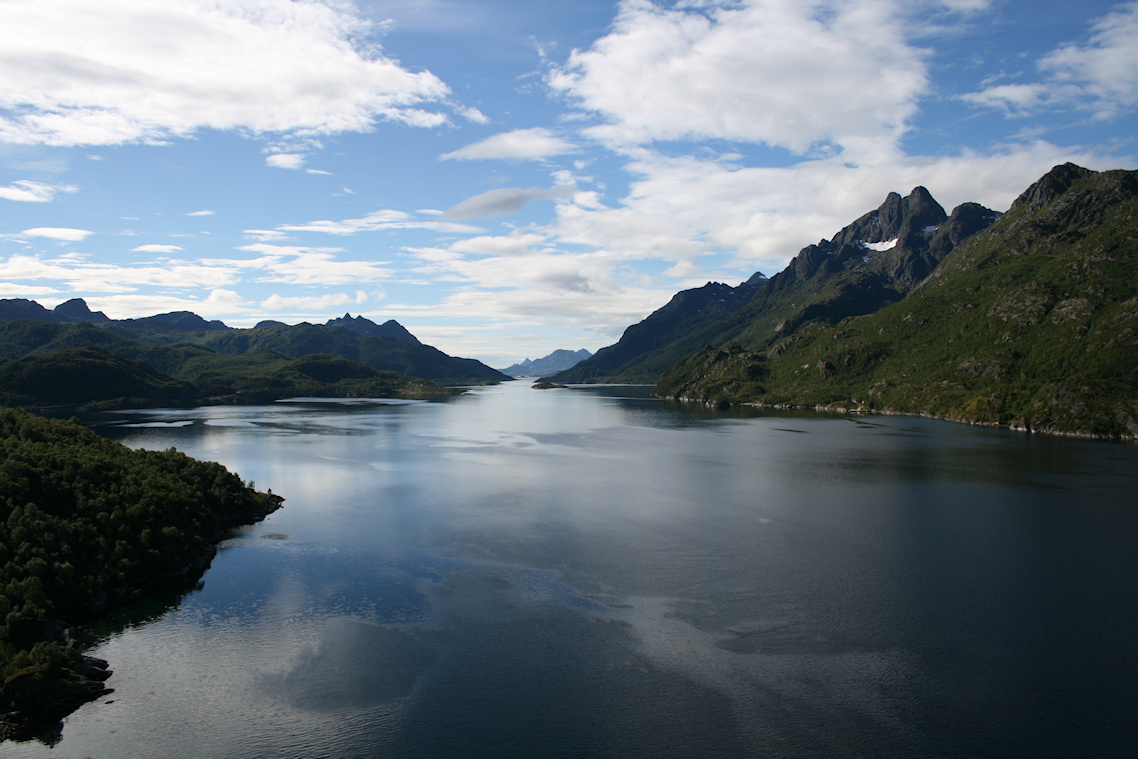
x=577 y=573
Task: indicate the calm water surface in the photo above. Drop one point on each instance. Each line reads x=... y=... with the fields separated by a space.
x=576 y=573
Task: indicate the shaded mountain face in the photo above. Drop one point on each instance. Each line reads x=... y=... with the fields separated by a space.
x=385 y=347
x=1031 y=323
x=558 y=360
x=869 y=264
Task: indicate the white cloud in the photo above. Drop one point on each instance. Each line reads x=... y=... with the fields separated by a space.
x=518 y=145
x=119 y=71
x=470 y=113
x=310 y=304
x=285 y=160
x=156 y=249
x=26 y=191
x=505 y=200
x=200 y=213
x=1107 y=66
x=58 y=233
x=788 y=73
x=1100 y=75
x=321 y=172
x=85 y=276
x=515 y=244
x=377 y=221
x=217 y=304
x=298 y=265
x=265 y=235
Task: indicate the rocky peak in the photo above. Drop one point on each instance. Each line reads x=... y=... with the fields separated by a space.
x=909 y=220
x=76 y=309
x=364 y=326
x=1053 y=184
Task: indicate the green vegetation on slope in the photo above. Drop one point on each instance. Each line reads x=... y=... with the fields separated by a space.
x=81 y=376
x=1031 y=324
x=88 y=521
x=122 y=372
x=378 y=352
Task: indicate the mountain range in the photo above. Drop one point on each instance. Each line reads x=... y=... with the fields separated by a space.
x=73 y=356
x=557 y=361
x=1026 y=319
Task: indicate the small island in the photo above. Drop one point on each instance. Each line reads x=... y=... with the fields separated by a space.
x=92 y=524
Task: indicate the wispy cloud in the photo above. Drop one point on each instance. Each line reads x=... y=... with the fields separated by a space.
x=63 y=234
x=504 y=200
x=1099 y=74
x=299 y=265
x=200 y=213
x=377 y=221
x=315 y=304
x=156 y=249
x=518 y=145
x=27 y=191
x=85 y=276
x=285 y=160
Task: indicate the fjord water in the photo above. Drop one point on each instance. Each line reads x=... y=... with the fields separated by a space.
x=591 y=572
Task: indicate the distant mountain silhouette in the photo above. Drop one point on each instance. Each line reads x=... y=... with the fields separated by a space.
x=557 y=361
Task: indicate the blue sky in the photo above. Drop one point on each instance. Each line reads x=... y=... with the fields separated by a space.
x=508 y=177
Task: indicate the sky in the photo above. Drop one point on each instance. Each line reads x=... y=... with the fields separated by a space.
x=510 y=177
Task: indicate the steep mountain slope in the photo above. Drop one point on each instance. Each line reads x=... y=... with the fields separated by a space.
x=647 y=348
x=871 y=263
x=1032 y=323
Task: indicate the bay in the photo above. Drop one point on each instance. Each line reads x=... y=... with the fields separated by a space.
x=592 y=572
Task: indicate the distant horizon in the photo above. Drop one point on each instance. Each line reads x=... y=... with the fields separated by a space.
x=505 y=178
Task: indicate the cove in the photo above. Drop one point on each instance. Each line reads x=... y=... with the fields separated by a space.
x=592 y=572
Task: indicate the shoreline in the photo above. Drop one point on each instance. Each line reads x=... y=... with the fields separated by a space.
x=34 y=705
x=1013 y=427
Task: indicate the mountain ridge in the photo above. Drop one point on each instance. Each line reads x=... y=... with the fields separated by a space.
x=1031 y=323
x=875 y=260
x=386 y=347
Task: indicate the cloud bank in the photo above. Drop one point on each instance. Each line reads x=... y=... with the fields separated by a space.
x=74 y=72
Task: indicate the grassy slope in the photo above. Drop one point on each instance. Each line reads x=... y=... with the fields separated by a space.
x=1031 y=323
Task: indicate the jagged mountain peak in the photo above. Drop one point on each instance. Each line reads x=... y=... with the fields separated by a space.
x=909 y=220
x=363 y=326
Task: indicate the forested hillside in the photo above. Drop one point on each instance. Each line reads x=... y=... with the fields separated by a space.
x=88 y=522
